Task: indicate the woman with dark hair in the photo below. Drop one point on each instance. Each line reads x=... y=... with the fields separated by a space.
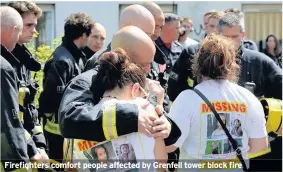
x=217 y=72
x=100 y=153
x=124 y=82
x=273 y=49
x=237 y=129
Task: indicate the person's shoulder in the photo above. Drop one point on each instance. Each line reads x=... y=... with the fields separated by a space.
x=61 y=54
x=85 y=76
x=247 y=95
x=185 y=95
x=251 y=45
x=5 y=65
x=256 y=56
x=192 y=49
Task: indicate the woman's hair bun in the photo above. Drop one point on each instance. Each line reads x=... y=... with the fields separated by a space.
x=114 y=61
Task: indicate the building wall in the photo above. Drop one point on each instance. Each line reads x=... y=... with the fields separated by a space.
x=107 y=13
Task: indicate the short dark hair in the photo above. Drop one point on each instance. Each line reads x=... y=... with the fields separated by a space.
x=231 y=19
x=170 y=17
x=25 y=7
x=77 y=24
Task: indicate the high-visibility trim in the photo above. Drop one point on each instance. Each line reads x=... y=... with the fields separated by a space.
x=109 y=122
x=37 y=129
x=21 y=100
x=143 y=152
x=23 y=170
x=104 y=125
x=190 y=82
x=114 y=129
x=21 y=116
x=52 y=127
x=48 y=115
x=250 y=156
x=27 y=135
x=1 y=167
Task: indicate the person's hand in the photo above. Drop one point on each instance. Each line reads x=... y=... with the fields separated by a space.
x=37 y=158
x=155 y=88
x=44 y=156
x=162 y=128
x=146 y=117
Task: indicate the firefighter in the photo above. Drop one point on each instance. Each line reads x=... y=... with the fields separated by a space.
x=66 y=62
x=77 y=119
x=13 y=142
x=24 y=63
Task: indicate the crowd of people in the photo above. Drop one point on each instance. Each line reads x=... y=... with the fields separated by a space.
x=142 y=98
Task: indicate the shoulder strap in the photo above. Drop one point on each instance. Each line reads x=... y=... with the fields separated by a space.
x=234 y=143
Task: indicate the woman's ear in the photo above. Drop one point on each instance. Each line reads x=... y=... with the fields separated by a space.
x=136 y=90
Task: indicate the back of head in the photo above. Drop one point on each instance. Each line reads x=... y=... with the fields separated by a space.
x=77 y=24
x=11 y=26
x=26 y=7
x=10 y=17
x=139 y=16
x=230 y=20
x=135 y=42
x=216 y=59
x=158 y=17
x=116 y=70
x=153 y=8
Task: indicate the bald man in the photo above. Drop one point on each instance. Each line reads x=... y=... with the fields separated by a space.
x=76 y=117
x=96 y=40
x=158 y=17
x=13 y=142
x=133 y=15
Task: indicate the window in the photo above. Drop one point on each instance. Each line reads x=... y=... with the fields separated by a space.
x=45 y=26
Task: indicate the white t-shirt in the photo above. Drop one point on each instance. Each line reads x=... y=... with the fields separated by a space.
x=202 y=138
x=127 y=148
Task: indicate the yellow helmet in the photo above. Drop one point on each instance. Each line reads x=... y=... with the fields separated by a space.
x=273 y=114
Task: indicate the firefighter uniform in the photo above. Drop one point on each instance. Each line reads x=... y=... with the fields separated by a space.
x=13 y=136
x=66 y=63
x=23 y=63
x=167 y=57
x=77 y=121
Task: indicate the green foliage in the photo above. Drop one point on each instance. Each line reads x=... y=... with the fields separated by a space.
x=42 y=54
